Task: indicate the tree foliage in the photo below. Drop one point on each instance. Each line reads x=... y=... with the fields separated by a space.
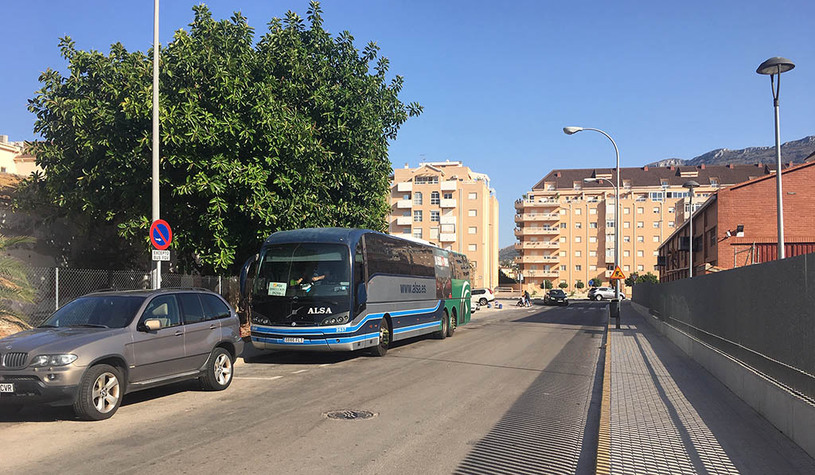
x=14 y=285
x=285 y=132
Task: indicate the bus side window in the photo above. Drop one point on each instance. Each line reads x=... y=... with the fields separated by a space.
x=359 y=267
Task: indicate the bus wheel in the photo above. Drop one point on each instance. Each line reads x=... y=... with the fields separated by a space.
x=445 y=326
x=384 y=339
x=451 y=327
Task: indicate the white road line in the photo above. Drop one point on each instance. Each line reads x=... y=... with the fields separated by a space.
x=300 y=371
x=270 y=378
x=324 y=365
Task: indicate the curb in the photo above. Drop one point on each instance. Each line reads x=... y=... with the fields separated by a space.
x=603 y=462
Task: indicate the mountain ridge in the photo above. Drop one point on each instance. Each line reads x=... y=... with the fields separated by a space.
x=796 y=151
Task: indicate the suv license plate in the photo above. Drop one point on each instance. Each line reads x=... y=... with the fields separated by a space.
x=6 y=388
x=293 y=340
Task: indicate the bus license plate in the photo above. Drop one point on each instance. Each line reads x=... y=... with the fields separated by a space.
x=293 y=340
x=6 y=388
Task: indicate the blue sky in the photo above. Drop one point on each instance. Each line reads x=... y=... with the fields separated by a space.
x=499 y=80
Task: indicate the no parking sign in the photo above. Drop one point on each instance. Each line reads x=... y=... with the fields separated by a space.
x=161 y=235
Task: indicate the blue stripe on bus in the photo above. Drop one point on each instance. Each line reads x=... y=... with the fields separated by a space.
x=340 y=330
x=416 y=327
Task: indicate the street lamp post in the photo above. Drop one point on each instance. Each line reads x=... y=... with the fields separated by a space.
x=614 y=308
x=574 y=130
x=772 y=67
x=155 y=184
x=690 y=185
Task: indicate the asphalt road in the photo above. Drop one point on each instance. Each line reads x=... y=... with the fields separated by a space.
x=514 y=391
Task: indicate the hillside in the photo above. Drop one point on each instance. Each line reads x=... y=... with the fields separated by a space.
x=797 y=151
x=507 y=254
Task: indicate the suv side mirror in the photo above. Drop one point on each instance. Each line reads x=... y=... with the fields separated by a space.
x=151 y=324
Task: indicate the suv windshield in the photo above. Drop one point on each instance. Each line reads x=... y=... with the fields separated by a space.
x=103 y=311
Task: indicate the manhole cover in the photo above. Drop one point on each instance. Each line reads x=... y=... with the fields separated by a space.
x=350 y=415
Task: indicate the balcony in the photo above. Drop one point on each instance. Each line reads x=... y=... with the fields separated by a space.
x=540 y=273
x=537 y=245
x=536 y=259
x=444 y=237
x=404 y=204
x=448 y=203
x=537 y=217
x=448 y=220
x=525 y=231
x=449 y=185
x=538 y=202
x=404 y=220
x=404 y=186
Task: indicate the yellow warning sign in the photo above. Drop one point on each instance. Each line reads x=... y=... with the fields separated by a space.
x=617 y=274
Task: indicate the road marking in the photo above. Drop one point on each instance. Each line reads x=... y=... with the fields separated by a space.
x=300 y=371
x=258 y=378
x=324 y=365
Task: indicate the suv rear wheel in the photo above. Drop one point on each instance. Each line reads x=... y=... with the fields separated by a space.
x=218 y=375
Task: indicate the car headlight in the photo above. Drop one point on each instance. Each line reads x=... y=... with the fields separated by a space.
x=52 y=360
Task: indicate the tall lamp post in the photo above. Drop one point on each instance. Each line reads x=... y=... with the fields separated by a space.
x=772 y=67
x=690 y=185
x=574 y=130
x=155 y=187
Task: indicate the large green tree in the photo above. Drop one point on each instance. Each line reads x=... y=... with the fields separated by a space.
x=288 y=131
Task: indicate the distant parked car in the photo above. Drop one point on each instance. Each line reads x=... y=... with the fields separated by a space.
x=485 y=296
x=99 y=347
x=600 y=293
x=556 y=297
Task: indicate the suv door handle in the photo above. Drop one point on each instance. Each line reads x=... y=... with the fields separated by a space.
x=178 y=333
x=212 y=326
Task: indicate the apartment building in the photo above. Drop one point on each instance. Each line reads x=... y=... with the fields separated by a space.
x=565 y=226
x=451 y=206
x=738 y=226
x=14 y=159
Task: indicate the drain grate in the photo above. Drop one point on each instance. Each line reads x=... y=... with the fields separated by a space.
x=349 y=415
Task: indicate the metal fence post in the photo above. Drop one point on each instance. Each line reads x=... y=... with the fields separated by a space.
x=56 y=288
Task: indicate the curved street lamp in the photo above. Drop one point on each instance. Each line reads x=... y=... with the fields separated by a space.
x=690 y=185
x=772 y=67
x=572 y=131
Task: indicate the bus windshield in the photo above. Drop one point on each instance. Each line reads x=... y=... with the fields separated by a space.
x=304 y=270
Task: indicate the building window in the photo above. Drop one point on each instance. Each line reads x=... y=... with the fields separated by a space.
x=417 y=198
x=577 y=239
x=592 y=253
x=578 y=225
x=448 y=196
x=434 y=198
x=640 y=254
x=656 y=224
x=626 y=210
x=626 y=268
x=472 y=195
x=657 y=196
x=626 y=253
x=593 y=225
x=426 y=180
x=472 y=212
x=671 y=224
x=578 y=267
x=434 y=216
x=417 y=233
x=562 y=253
x=562 y=225
x=578 y=211
x=434 y=233
x=472 y=230
x=577 y=185
x=406 y=197
x=626 y=238
x=577 y=254
x=563 y=268
x=640 y=239
x=672 y=210
x=593 y=211
x=640 y=198
x=406 y=231
x=472 y=247
x=640 y=224
x=656 y=209
x=592 y=238
x=640 y=268
x=609 y=223
x=417 y=216
x=640 y=210
x=592 y=267
x=562 y=238
x=626 y=224
x=656 y=238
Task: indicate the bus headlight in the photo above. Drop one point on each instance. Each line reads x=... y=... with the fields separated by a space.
x=336 y=319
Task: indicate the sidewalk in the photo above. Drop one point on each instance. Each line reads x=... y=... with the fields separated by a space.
x=669 y=415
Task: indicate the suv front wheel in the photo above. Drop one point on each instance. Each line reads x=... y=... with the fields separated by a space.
x=598 y=297
x=100 y=393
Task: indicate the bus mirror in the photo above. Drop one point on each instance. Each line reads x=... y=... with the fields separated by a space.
x=362 y=297
x=245 y=272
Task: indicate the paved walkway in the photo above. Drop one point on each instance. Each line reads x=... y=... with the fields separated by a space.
x=669 y=415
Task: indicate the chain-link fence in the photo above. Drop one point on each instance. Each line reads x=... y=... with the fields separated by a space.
x=55 y=287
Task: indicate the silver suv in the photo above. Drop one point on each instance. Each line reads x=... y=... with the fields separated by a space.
x=99 y=347
x=600 y=293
